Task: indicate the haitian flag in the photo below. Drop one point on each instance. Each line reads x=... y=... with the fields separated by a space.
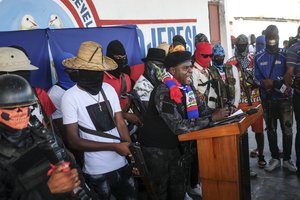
x=36 y=42
x=36 y=45
x=69 y=40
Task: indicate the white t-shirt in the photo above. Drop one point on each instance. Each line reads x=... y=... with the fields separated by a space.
x=56 y=93
x=143 y=87
x=76 y=105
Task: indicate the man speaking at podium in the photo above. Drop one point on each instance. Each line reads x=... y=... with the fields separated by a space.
x=173 y=109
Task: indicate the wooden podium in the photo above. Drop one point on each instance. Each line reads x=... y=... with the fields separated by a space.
x=223 y=158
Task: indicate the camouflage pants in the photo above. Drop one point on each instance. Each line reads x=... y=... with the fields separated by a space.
x=120 y=183
x=282 y=110
x=166 y=173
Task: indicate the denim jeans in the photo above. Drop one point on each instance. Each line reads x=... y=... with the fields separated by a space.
x=166 y=173
x=283 y=110
x=296 y=102
x=120 y=183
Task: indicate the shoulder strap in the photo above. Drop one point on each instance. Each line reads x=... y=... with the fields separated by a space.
x=123 y=86
x=108 y=106
x=99 y=133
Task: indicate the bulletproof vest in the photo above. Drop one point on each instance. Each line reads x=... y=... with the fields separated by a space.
x=228 y=87
x=28 y=167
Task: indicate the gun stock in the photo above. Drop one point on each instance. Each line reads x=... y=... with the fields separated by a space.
x=138 y=162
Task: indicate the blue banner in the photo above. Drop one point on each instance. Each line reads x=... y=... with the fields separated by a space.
x=36 y=44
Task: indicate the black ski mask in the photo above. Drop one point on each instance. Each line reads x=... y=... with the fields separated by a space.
x=116 y=51
x=241 y=44
x=90 y=81
x=272 y=39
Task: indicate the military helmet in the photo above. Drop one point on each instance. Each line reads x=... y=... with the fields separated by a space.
x=15 y=92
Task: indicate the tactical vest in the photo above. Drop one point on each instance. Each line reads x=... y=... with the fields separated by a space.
x=227 y=87
x=27 y=167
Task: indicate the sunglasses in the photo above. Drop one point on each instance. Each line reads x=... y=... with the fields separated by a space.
x=206 y=55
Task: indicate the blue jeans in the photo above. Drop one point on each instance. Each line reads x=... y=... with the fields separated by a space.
x=120 y=183
x=283 y=110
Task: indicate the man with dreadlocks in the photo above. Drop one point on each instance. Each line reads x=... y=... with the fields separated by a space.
x=270 y=70
x=243 y=60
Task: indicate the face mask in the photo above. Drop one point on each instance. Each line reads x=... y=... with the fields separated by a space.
x=203 y=60
x=241 y=47
x=218 y=60
x=123 y=67
x=272 y=46
x=90 y=81
x=17 y=118
x=73 y=74
x=158 y=70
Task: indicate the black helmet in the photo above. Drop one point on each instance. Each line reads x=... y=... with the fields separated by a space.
x=15 y=91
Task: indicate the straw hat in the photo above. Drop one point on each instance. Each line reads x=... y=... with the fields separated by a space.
x=12 y=59
x=90 y=57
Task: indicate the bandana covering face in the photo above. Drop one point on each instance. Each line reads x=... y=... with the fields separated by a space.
x=153 y=72
x=176 y=95
x=203 y=48
x=90 y=81
x=17 y=118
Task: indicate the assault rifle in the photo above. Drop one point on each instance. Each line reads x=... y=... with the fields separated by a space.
x=55 y=152
x=136 y=161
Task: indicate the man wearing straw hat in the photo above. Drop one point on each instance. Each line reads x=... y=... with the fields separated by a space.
x=94 y=105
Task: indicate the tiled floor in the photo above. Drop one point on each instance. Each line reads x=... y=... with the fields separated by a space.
x=277 y=185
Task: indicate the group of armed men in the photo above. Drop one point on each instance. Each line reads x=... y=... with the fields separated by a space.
x=73 y=142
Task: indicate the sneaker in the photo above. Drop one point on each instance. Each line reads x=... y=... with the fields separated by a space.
x=288 y=164
x=187 y=197
x=273 y=164
x=253 y=174
x=254 y=153
x=196 y=191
